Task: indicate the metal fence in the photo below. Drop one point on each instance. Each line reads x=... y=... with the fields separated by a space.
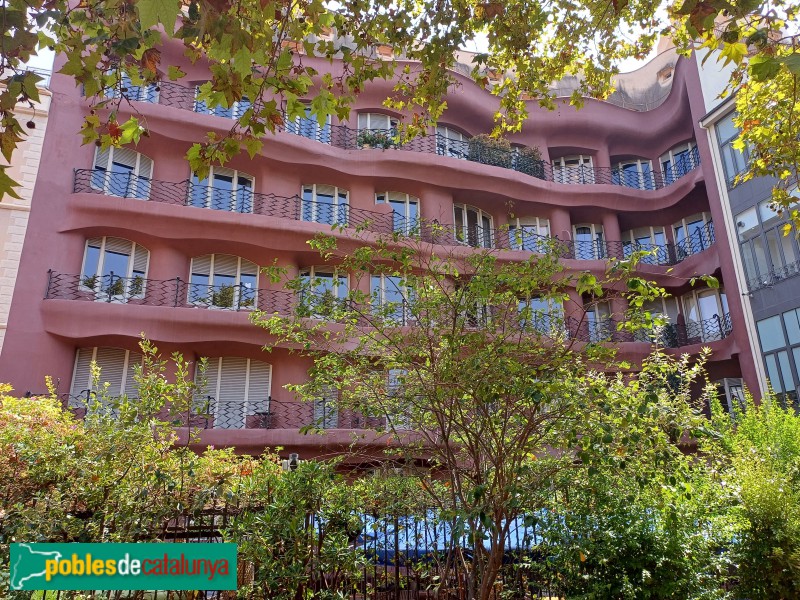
x=475 y=149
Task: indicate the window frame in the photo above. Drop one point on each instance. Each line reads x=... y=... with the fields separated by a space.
x=246 y=402
x=238 y=302
x=233 y=112
x=521 y=242
x=237 y=200
x=645 y=178
x=315 y=273
x=670 y=173
x=462 y=233
x=598 y=241
x=452 y=141
x=584 y=166
x=337 y=207
x=128 y=279
x=124 y=387
x=406 y=226
x=308 y=127
x=140 y=184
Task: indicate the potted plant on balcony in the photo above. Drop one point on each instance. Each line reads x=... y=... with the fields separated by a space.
x=116 y=287
x=372 y=138
x=490 y=150
x=89 y=281
x=137 y=286
x=223 y=297
x=529 y=161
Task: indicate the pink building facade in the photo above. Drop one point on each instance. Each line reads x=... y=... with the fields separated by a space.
x=126 y=242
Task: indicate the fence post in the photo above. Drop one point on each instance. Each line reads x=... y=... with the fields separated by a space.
x=177 y=291
x=49 y=281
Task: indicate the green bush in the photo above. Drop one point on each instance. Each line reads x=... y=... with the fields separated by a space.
x=490 y=150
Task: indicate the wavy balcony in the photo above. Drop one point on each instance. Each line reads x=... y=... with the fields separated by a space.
x=475 y=149
x=245 y=201
x=180 y=294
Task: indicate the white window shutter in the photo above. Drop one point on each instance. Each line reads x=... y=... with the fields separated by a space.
x=131 y=386
x=83 y=373
x=225 y=264
x=230 y=412
x=102 y=158
x=112 y=364
x=259 y=387
x=201 y=265
x=119 y=245
x=210 y=389
x=249 y=268
x=125 y=156
x=145 y=167
x=140 y=258
x=224 y=172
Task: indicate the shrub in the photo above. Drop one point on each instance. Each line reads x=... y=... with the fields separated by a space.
x=489 y=150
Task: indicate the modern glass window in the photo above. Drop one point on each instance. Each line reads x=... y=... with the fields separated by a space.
x=122 y=172
x=770 y=332
x=693 y=234
x=322 y=290
x=768 y=255
x=734 y=161
x=780 y=346
x=308 y=126
x=575 y=169
x=117 y=368
x=223 y=281
x=707 y=315
x=679 y=161
x=647 y=239
x=390 y=298
x=124 y=88
x=325 y=204
x=451 y=142
x=529 y=233
x=473 y=226
x=405 y=211
x=114 y=269
x=589 y=242
x=634 y=173
x=223 y=189
x=236 y=394
x=235 y=111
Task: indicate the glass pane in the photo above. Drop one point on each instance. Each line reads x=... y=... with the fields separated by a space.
x=786 y=371
x=91 y=261
x=771 y=333
x=747 y=223
x=726 y=130
x=772 y=373
x=760 y=253
x=198 y=192
x=768 y=216
x=792 y=320
x=775 y=250
x=115 y=262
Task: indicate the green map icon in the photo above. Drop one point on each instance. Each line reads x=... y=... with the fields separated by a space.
x=28 y=565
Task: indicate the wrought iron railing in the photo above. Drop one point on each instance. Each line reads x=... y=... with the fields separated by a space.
x=475 y=150
x=774 y=276
x=245 y=201
x=179 y=293
x=175 y=292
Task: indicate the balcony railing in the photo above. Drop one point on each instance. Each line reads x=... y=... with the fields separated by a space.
x=347 y=138
x=774 y=276
x=178 y=293
x=170 y=292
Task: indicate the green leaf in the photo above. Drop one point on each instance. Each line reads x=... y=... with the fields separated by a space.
x=153 y=12
x=792 y=62
x=764 y=67
x=8 y=185
x=174 y=73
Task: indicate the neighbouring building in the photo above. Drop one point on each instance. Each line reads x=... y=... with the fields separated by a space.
x=23 y=169
x=126 y=241
x=767 y=262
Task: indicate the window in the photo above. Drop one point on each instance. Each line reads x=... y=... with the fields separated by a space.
x=326 y=409
x=223 y=281
x=450 y=142
x=390 y=298
x=405 y=211
x=529 y=233
x=647 y=239
x=634 y=173
x=237 y=393
x=707 y=316
x=734 y=161
x=323 y=290
x=397 y=417
x=325 y=204
x=124 y=88
x=599 y=326
x=377 y=121
x=114 y=269
x=770 y=332
x=117 y=368
x=777 y=357
x=573 y=169
x=122 y=172
x=589 y=243
x=234 y=111
x=543 y=315
x=224 y=189
x=693 y=235
x=781 y=377
x=679 y=161
x=732 y=394
x=768 y=256
x=309 y=127
x=473 y=227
